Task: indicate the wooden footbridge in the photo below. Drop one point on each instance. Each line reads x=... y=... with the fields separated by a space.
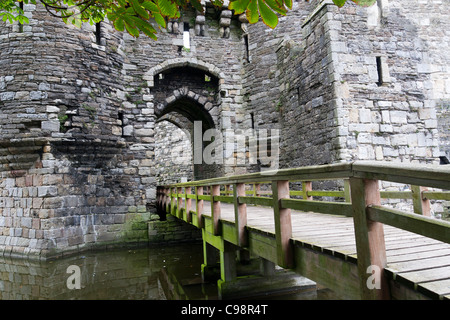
x=350 y=243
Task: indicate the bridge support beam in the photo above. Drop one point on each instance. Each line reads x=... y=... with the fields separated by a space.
x=369 y=236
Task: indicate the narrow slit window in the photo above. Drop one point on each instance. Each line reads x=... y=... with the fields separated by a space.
x=186 y=36
x=379 y=71
x=247 y=52
x=98 y=33
x=20 y=24
x=121 y=118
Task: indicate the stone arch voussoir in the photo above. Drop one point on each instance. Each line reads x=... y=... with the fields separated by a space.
x=182 y=62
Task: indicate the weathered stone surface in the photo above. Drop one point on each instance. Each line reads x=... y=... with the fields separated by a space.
x=90 y=126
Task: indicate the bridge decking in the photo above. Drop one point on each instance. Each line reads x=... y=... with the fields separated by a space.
x=414 y=260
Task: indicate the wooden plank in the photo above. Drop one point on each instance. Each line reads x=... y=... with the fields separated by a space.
x=369 y=236
x=415 y=174
x=338 y=208
x=225 y=199
x=436 y=195
x=256 y=201
x=328 y=271
x=426 y=226
x=440 y=287
x=395 y=194
x=324 y=193
x=283 y=226
x=262 y=244
x=415 y=265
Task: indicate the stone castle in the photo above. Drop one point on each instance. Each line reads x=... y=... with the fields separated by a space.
x=92 y=119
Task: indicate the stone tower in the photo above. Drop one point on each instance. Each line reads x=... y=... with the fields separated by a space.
x=91 y=120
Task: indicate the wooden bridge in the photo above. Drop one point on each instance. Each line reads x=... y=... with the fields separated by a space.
x=353 y=244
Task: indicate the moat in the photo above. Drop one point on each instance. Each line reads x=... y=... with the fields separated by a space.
x=150 y=273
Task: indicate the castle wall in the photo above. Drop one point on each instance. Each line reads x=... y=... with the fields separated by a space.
x=68 y=182
x=84 y=120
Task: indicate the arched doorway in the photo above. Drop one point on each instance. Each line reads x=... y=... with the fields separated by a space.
x=184 y=97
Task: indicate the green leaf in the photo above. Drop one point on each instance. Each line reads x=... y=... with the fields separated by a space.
x=132 y=30
x=267 y=15
x=150 y=6
x=340 y=3
x=217 y=3
x=239 y=6
x=139 y=10
x=252 y=11
x=288 y=3
x=197 y=5
x=119 y=24
x=168 y=8
x=159 y=19
x=364 y=3
x=275 y=6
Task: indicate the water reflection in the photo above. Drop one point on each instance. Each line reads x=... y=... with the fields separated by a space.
x=117 y=274
x=166 y=272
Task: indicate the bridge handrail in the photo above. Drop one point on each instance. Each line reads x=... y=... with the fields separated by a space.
x=362 y=195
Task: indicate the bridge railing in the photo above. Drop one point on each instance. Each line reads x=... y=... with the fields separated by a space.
x=360 y=199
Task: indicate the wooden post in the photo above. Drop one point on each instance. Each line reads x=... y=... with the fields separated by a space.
x=369 y=236
x=187 y=204
x=283 y=226
x=240 y=214
x=173 y=200
x=347 y=195
x=266 y=267
x=421 y=206
x=210 y=259
x=306 y=186
x=179 y=202
x=199 y=206
x=228 y=262
x=167 y=200
x=215 y=210
x=256 y=189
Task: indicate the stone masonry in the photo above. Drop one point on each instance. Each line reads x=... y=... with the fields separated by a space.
x=91 y=118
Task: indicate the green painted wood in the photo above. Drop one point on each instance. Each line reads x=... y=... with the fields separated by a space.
x=425 y=226
x=226 y=199
x=396 y=194
x=328 y=271
x=215 y=210
x=261 y=201
x=338 y=208
x=437 y=195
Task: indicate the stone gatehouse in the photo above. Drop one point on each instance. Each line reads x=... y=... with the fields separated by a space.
x=91 y=119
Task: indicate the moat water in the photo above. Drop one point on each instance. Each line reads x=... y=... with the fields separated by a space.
x=153 y=273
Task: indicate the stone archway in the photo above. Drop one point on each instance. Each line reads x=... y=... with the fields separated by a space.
x=185 y=93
